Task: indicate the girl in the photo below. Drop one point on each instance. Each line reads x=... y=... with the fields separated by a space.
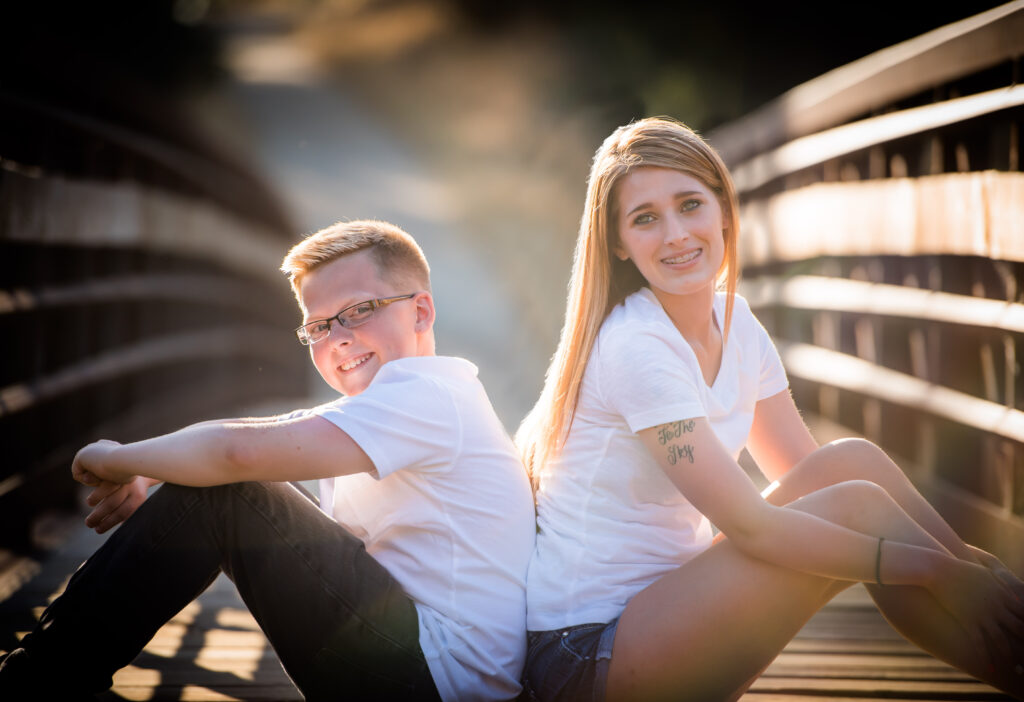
x=659 y=380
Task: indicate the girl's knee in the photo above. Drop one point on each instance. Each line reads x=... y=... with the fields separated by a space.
x=852 y=449
x=855 y=504
x=856 y=459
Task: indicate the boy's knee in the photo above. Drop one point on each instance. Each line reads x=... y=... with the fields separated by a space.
x=215 y=495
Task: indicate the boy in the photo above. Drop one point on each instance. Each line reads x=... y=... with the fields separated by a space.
x=411 y=588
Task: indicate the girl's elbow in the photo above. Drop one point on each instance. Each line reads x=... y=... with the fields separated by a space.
x=751 y=532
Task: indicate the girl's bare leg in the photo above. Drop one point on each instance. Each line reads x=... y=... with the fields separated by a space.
x=706 y=630
x=911 y=611
x=858 y=459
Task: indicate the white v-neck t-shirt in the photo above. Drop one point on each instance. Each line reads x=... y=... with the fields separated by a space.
x=610 y=522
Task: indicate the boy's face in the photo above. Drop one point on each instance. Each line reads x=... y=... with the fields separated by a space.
x=348 y=359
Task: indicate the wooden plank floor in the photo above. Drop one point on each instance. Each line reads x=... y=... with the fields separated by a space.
x=213 y=650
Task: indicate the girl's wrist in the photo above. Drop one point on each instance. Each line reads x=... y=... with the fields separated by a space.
x=919 y=566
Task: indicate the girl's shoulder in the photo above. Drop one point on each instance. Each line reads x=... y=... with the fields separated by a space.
x=637 y=322
x=742 y=316
x=641 y=307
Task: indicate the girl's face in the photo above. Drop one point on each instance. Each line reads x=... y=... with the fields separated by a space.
x=670 y=226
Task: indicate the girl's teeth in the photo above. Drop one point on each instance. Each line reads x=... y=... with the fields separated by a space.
x=683 y=259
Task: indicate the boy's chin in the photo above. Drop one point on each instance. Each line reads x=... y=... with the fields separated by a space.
x=354 y=384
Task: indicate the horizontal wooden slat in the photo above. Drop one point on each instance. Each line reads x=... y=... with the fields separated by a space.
x=969 y=214
x=877 y=80
x=850 y=373
x=123 y=214
x=809 y=292
x=203 y=171
x=870 y=687
x=248 y=340
x=164 y=412
x=817 y=148
x=205 y=289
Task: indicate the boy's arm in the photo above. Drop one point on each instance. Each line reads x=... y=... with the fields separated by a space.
x=304 y=448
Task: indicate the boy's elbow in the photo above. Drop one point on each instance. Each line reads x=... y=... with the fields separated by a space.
x=236 y=460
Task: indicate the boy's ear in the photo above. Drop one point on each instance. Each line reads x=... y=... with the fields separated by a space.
x=424 y=302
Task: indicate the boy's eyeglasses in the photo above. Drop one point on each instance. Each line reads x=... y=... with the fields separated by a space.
x=350 y=318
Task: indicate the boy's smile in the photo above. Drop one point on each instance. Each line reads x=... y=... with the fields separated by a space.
x=349 y=358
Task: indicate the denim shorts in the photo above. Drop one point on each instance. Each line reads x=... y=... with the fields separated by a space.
x=568 y=665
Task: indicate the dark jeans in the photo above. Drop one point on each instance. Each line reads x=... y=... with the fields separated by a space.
x=340 y=624
x=568 y=665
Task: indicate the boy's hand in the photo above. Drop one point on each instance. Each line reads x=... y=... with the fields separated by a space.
x=115 y=502
x=88 y=468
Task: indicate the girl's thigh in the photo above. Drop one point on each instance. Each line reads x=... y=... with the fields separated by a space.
x=707 y=629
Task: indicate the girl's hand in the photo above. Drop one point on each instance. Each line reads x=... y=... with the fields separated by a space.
x=990 y=613
x=999 y=569
x=115 y=502
x=88 y=467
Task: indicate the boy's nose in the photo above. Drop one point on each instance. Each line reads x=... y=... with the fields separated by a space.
x=340 y=336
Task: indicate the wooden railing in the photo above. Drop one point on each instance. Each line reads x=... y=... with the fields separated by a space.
x=882 y=208
x=139 y=291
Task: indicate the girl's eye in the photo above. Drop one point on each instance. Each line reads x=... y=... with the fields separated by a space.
x=690 y=205
x=643 y=219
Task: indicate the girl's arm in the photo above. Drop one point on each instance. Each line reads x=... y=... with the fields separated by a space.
x=213 y=453
x=779 y=439
x=700 y=467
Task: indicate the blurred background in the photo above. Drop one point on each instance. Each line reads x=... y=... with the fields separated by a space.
x=158 y=158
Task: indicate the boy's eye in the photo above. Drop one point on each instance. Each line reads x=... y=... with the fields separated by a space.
x=360 y=311
x=319 y=327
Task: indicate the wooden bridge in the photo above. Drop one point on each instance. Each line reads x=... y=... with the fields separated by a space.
x=883 y=211
x=883 y=215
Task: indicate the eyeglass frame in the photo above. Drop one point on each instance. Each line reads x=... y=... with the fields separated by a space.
x=375 y=304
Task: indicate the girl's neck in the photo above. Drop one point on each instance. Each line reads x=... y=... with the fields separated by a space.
x=693 y=315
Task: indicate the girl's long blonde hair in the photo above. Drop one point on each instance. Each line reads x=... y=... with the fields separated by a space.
x=600 y=280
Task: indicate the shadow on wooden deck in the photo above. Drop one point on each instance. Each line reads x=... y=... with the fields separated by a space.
x=213 y=649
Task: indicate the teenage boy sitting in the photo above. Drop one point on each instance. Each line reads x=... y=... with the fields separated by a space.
x=411 y=586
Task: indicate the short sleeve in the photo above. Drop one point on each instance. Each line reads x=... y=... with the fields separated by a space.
x=403 y=421
x=647 y=378
x=773 y=378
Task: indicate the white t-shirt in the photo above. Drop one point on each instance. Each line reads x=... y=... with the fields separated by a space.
x=610 y=521
x=449 y=514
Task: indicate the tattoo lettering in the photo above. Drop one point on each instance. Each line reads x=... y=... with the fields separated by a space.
x=678 y=453
x=667 y=432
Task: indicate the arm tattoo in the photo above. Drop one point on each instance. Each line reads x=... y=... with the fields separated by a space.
x=667 y=432
x=676 y=453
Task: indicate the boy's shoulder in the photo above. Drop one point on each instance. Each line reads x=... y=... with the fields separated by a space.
x=445 y=371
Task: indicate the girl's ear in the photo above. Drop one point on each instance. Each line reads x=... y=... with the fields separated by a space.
x=620 y=253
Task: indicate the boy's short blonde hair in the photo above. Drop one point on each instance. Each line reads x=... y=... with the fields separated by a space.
x=398 y=257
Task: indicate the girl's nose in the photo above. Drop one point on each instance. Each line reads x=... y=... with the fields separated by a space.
x=675 y=230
